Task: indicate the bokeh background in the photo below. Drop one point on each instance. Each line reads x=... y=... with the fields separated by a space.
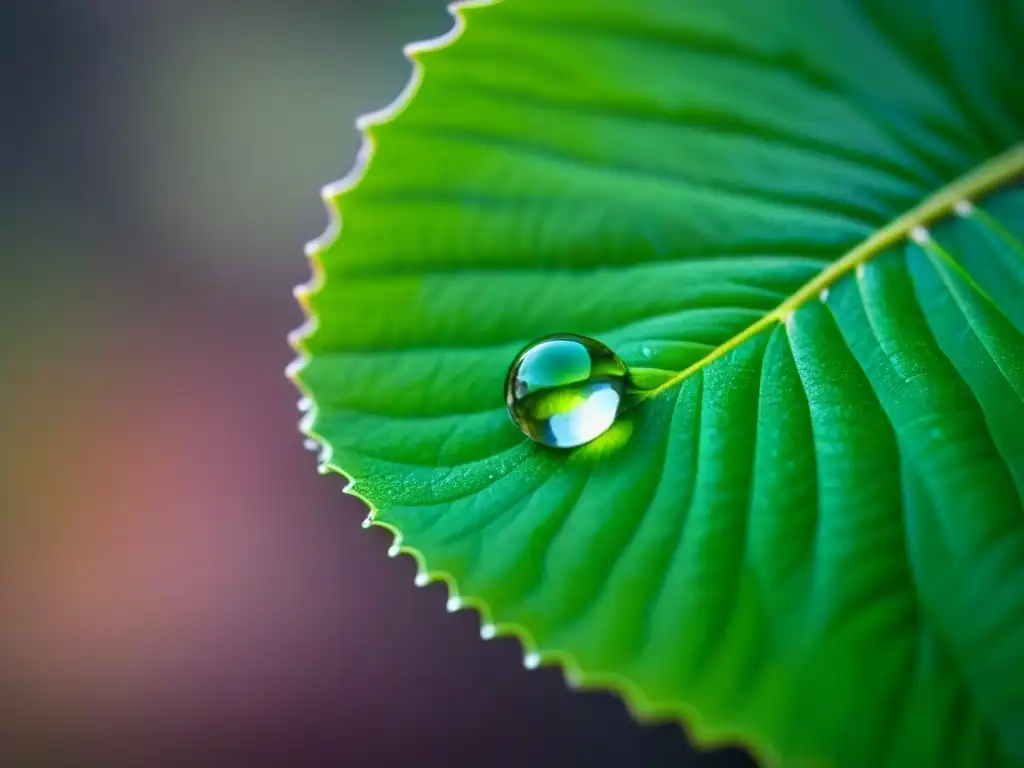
x=178 y=586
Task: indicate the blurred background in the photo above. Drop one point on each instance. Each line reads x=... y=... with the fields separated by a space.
x=178 y=586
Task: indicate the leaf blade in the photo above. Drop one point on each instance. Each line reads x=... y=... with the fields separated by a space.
x=551 y=511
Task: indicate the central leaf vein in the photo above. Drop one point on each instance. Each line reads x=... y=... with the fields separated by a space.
x=984 y=178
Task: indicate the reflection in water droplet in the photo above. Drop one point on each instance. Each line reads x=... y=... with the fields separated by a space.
x=565 y=390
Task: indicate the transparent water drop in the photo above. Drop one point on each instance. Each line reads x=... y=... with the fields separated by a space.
x=565 y=390
x=310 y=445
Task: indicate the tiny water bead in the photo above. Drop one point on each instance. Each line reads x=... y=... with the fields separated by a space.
x=566 y=390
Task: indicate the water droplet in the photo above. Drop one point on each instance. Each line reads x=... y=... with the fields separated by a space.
x=531 y=660
x=647 y=351
x=310 y=445
x=323 y=469
x=304 y=404
x=487 y=631
x=454 y=603
x=565 y=390
x=421 y=579
x=367 y=522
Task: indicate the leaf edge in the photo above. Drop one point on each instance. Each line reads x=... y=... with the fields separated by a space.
x=698 y=730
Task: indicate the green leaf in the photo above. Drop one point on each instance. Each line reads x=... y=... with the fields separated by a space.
x=806 y=219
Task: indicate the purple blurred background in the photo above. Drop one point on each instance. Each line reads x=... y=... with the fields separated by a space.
x=178 y=586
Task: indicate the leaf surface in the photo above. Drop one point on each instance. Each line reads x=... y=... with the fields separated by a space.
x=803 y=219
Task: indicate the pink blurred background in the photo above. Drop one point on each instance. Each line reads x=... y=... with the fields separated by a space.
x=178 y=586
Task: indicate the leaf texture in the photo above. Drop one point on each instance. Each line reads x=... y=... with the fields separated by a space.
x=811 y=536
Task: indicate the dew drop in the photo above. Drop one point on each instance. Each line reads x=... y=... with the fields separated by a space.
x=310 y=445
x=488 y=631
x=531 y=660
x=565 y=390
